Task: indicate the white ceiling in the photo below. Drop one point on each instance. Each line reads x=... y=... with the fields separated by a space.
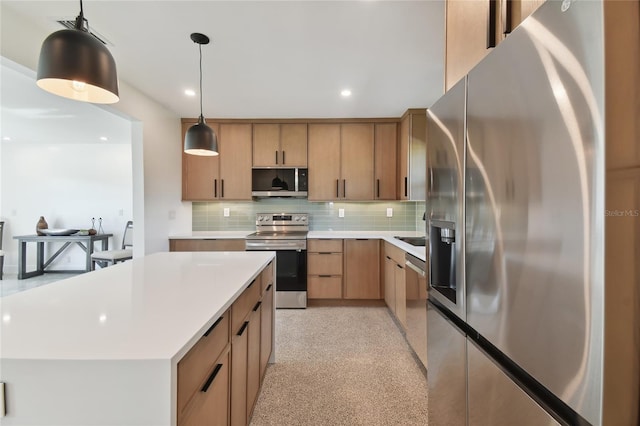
x=270 y=59
x=31 y=115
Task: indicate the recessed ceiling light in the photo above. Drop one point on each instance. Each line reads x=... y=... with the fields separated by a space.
x=346 y=93
x=6 y=138
x=103 y=138
x=190 y=92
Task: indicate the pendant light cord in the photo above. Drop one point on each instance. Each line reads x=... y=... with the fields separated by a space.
x=200 y=49
x=80 y=20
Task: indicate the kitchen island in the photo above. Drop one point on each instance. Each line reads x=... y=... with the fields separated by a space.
x=104 y=347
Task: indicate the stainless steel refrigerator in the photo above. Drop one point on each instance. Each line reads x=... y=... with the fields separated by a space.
x=519 y=193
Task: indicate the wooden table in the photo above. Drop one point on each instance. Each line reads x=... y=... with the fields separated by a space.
x=86 y=242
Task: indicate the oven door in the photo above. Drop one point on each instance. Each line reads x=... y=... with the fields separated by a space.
x=291 y=279
x=291 y=273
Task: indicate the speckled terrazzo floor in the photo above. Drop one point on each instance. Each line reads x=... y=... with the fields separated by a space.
x=341 y=366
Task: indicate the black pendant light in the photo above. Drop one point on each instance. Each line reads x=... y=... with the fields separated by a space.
x=200 y=138
x=76 y=65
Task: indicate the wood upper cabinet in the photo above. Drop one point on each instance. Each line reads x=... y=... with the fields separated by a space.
x=474 y=27
x=386 y=137
x=357 y=149
x=324 y=161
x=200 y=174
x=341 y=161
x=277 y=145
x=226 y=176
x=362 y=269
x=234 y=142
x=412 y=153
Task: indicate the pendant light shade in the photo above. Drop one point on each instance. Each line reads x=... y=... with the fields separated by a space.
x=75 y=65
x=200 y=138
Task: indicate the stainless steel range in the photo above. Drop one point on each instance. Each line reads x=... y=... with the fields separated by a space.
x=286 y=234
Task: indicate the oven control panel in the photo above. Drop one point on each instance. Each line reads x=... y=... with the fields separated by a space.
x=282 y=219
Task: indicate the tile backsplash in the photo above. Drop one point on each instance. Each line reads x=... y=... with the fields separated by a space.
x=407 y=215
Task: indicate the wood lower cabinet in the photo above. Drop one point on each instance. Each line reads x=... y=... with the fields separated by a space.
x=239 y=358
x=219 y=378
x=198 y=364
x=221 y=244
x=324 y=268
x=266 y=324
x=253 y=358
x=395 y=289
x=362 y=269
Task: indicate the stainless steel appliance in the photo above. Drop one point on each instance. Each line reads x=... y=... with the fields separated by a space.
x=519 y=303
x=286 y=234
x=416 y=300
x=279 y=182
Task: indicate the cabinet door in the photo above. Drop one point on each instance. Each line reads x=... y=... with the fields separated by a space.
x=324 y=161
x=235 y=161
x=253 y=358
x=239 y=348
x=362 y=269
x=403 y=160
x=266 y=324
x=293 y=144
x=266 y=145
x=357 y=161
x=401 y=298
x=386 y=135
x=390 y=283
x=211 y=405
x=466 y=37
x=200 y=174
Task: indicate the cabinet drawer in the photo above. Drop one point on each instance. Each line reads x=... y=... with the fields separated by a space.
x=243 y=304
x=328 y=246
x=266 y=277
x=324 y=264
x=210 y=405
x=194 y=366
x=395 y=253
x=321 y=287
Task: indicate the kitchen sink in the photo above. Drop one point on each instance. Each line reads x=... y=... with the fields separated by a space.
x=414 y=241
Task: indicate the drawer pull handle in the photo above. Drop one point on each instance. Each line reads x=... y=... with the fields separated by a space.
x=362 y=239
x=276 y=157
x=399 y=266
x=269 y=287
x=283 y=158
x=325 y=252
x=211 y=378
x=255 y=308
x=252 y=282
x=212 y=327
x=388 y=257
x=324 y=276
x=243 y=328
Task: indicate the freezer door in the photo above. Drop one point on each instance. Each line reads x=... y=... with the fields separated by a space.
x=534 y=221
x=494 y=399
x=447 y=371
x=445 y=195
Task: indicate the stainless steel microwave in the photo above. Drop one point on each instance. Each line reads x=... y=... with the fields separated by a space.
x=279 y=182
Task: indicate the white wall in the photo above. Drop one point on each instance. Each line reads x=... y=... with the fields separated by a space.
x=156 y=152
x=68 y=184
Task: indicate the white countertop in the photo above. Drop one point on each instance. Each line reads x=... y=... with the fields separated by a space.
x=153 y=307
x=218 y=235
x=419 y=252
